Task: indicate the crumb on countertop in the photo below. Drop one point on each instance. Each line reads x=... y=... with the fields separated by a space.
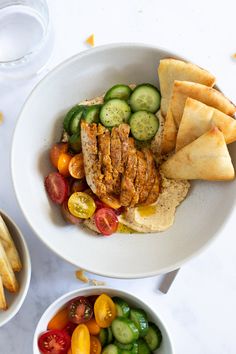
x=234 y=56
x=90 y=40
x=1 y=117
x=80 y=275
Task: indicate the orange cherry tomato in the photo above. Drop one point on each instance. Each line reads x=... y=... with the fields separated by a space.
x=78 y=185
x=80 y=340
x=93 y=327
x=76 y=166
x=69 y=351
x=104 y=311
x=56 y=151
x=63 y=164
x=60 y=320
x=95 y=345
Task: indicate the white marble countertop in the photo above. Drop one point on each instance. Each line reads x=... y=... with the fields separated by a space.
x=200 y=309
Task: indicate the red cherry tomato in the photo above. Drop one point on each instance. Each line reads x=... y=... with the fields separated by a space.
x=68 y=216
x=80 y=310
x=56 y=151
x=69 y=328
x=100 y=204
x=54 y=342
x=106 y=221
x=57 y=187
x=119 y=211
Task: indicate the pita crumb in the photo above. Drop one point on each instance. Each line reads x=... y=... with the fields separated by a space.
x=234 y=56
x=1 y=117
x=81 y=276
x=90 y=40
x=97 y=282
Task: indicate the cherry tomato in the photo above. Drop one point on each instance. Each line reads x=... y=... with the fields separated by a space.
x=69 y=351
x=54 y=342
x=80 y=310
x=104 y=311
x=119 y=211
x=100 y=204
x=92 y=299
x=68 y=216
x=81 y=205
x=57 y=187
x=56 y=151
x=63 y=164
x=111 y=201
x=78 y=185
x=106 y=221
x=95 y=345
x=93 y=327
x=76 y=166
x=69 y=328
x=59 y=321
x=80 y=341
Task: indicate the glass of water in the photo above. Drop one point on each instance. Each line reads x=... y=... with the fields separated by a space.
x=26 y=37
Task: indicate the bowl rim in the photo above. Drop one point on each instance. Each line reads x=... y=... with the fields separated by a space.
x=48 y=76
x=69 y=295
x=27 y=266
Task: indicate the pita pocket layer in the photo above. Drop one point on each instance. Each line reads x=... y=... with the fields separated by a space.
x=198 y=118
x=205 y=158
x=170 y=70
x=6 y=272
x=3 y=303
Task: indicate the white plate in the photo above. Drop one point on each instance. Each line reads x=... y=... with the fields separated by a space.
x=166 y=345
x=199 y=218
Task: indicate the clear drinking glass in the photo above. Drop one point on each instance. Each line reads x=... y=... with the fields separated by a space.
x=26 y=37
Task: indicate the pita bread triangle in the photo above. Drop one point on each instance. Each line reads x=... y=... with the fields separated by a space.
x=171 y=69
x=198 y=118
x=205 y=158
x=169 y=134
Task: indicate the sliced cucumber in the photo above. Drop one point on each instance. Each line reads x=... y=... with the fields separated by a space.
x=103 y=335
x=122 y=308
x=143 y=348
x=109 y=335
x=69 y=115
x=145 y=97
x=124 y=330
x=75 y=120
x=75 y=142
x=91 y=114
x=153 y=337
x=124 y=346
x=135 y=348
x=139 y=317
x=114 y=112
x=143 y=125
x=122 y=92
x=111 y=349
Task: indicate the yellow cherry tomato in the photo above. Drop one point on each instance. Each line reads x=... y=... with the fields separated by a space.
x=81 y=205
x=80 y=340
x=76 y=166
x=95 y=345
x=104 y=311
x=93 y=327
x=63 y=164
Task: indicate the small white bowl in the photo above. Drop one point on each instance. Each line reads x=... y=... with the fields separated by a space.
x=15 y=301
x=166 y=346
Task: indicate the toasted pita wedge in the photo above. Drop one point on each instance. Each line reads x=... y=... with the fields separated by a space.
x=3 y=302
x=202 y=93
x=6 y=272
x=9 y=247
x=169 y=134
x=170 y=70
x=198 y=118
x=205 y=158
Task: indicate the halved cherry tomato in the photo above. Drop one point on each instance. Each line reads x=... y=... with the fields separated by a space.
x=111 y=201
x=100 y=204
x=93 y=327
x=68 y=216
x=80 y=341
x=69 y=351
x=78 y=185
x=104 y=311
x=54 y=342
x=95 y=345
x=92 y=299
x=80 y=310
x=60 y=320
x=76 y=166
x=81 y=205
x=56 y=151
x=57 y=187
x=69 y=328
x=106 y=221
x=63 y=164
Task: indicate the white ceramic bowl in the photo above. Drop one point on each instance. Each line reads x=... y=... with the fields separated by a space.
x=166 y=346
x=198 y=219
x=15 y=301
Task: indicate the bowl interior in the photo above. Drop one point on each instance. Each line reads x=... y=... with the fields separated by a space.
x=15 y=301
x=166 y=346
x=88 y=75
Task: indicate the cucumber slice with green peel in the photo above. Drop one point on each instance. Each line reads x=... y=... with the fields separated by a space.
x=124 y=346
x=75 y=142
x=91 y=114
x=69 y=115
x=109 y=335
x=143 y=125
x=139 y=317
x=145 y=97
x=124 y=330
x=153 y=337
x=111 y=349
x=75 y=120
x=135 y=348
x=103 y=335
x=122 y=308
x=115 y=112
x=143 y=348
x=120 y=91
